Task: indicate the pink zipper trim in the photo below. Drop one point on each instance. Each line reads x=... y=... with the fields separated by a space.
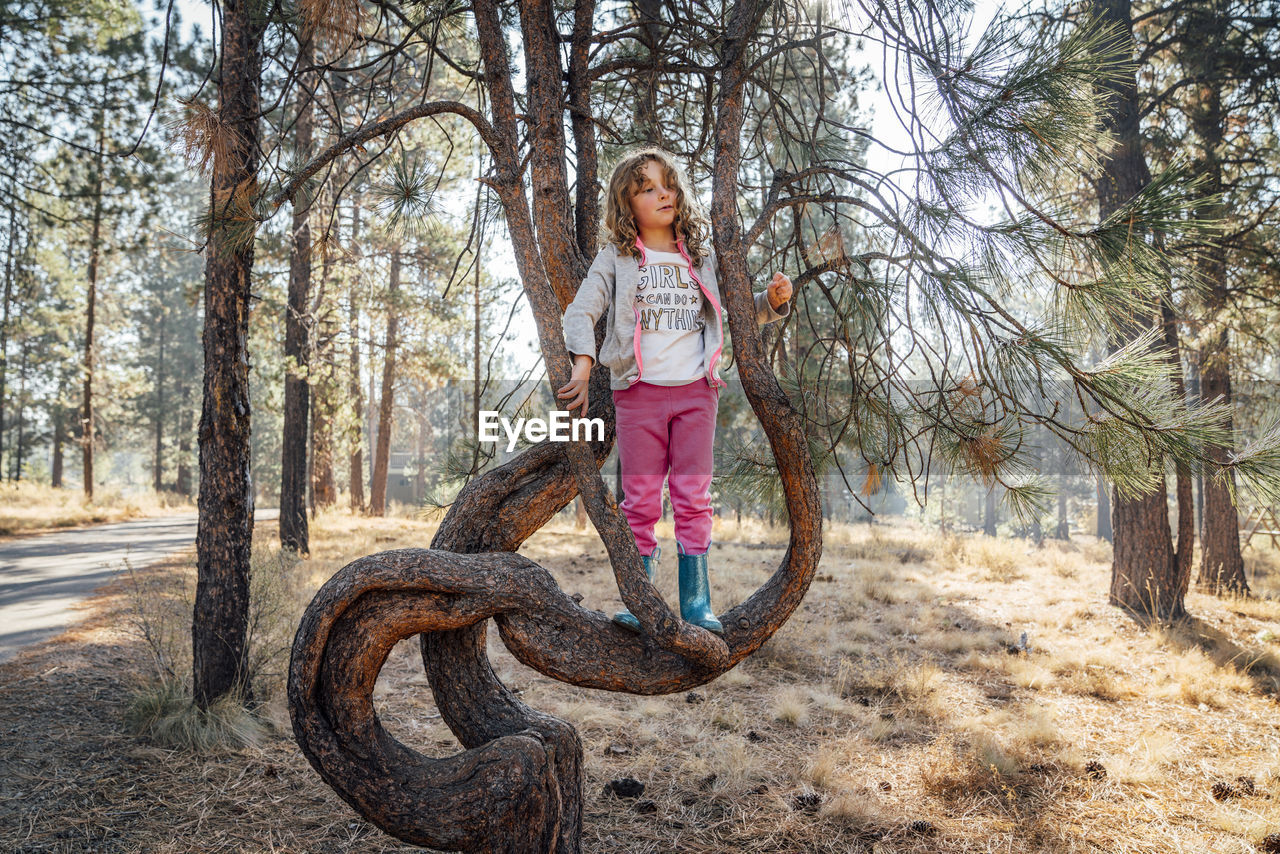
x=635 y=334
x=715 y=357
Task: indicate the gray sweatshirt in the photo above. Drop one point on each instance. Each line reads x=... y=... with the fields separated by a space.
x=611 y=282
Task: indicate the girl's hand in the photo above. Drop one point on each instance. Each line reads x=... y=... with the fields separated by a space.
x=779 y=290
x=576 y=387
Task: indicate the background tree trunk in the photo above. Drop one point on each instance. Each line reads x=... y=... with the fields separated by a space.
x=323 y=488
x=4 y=317
x=225 y=531
x=382 y=453
x=95 y=250
x=355 y=459
x=297 y=380
x=183 y=483
x=157 y=470
x=1104 y=530
x=1221 y=565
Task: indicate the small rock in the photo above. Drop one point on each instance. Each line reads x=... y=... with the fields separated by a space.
x=646 y=807
x=754 y=737
x=922 y=827
x=616 y=749
x=1222 y=790
x=1095 y=770
x=886 y=786
x=623 y=787
x=1270 y=844
x=577 y=597
x=806 y=802
x=693 y=698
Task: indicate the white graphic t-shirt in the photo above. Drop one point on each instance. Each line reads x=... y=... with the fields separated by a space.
x=671 y=320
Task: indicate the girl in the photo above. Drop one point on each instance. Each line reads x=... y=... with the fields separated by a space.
x=663 y=359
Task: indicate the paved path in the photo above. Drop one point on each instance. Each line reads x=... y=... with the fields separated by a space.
x=42 y=577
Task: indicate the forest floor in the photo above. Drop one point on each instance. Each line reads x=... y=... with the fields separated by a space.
x=897 y=711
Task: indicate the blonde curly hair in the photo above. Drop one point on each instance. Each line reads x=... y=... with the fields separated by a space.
x=627 y=179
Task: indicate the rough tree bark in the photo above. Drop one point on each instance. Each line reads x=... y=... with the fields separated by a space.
x=386 y=402
x=517 y=786
x=1149 y=577
x=297 y=382
x=225 y=529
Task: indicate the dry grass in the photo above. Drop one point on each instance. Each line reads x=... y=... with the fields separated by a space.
x=895 y=712
x=33 y=508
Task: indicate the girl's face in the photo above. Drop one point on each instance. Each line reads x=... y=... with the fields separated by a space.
x=653 y=206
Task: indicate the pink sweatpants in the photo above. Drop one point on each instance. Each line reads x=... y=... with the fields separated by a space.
x=661 y=429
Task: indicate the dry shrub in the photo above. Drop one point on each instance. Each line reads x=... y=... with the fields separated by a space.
x=953 y=770
x=914 y=684
x=821 y=771
x=166 y=714
x=1093 y=680
x=859 y=808
x=1095 y=550
x=738 y=677
x=736 y=764
x=1146 y=760
x=160 y=610
x=1063 y=559
x=949 y=550
x=791 y=707
x=999 y=558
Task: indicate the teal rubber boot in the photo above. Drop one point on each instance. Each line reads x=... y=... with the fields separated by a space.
x=625 y=618
x=695 y=593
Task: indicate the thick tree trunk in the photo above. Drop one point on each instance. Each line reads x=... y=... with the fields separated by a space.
x=1147 y=576
x=225 y=531
x=95 y=251
x=297 y=388
x=382 y=453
